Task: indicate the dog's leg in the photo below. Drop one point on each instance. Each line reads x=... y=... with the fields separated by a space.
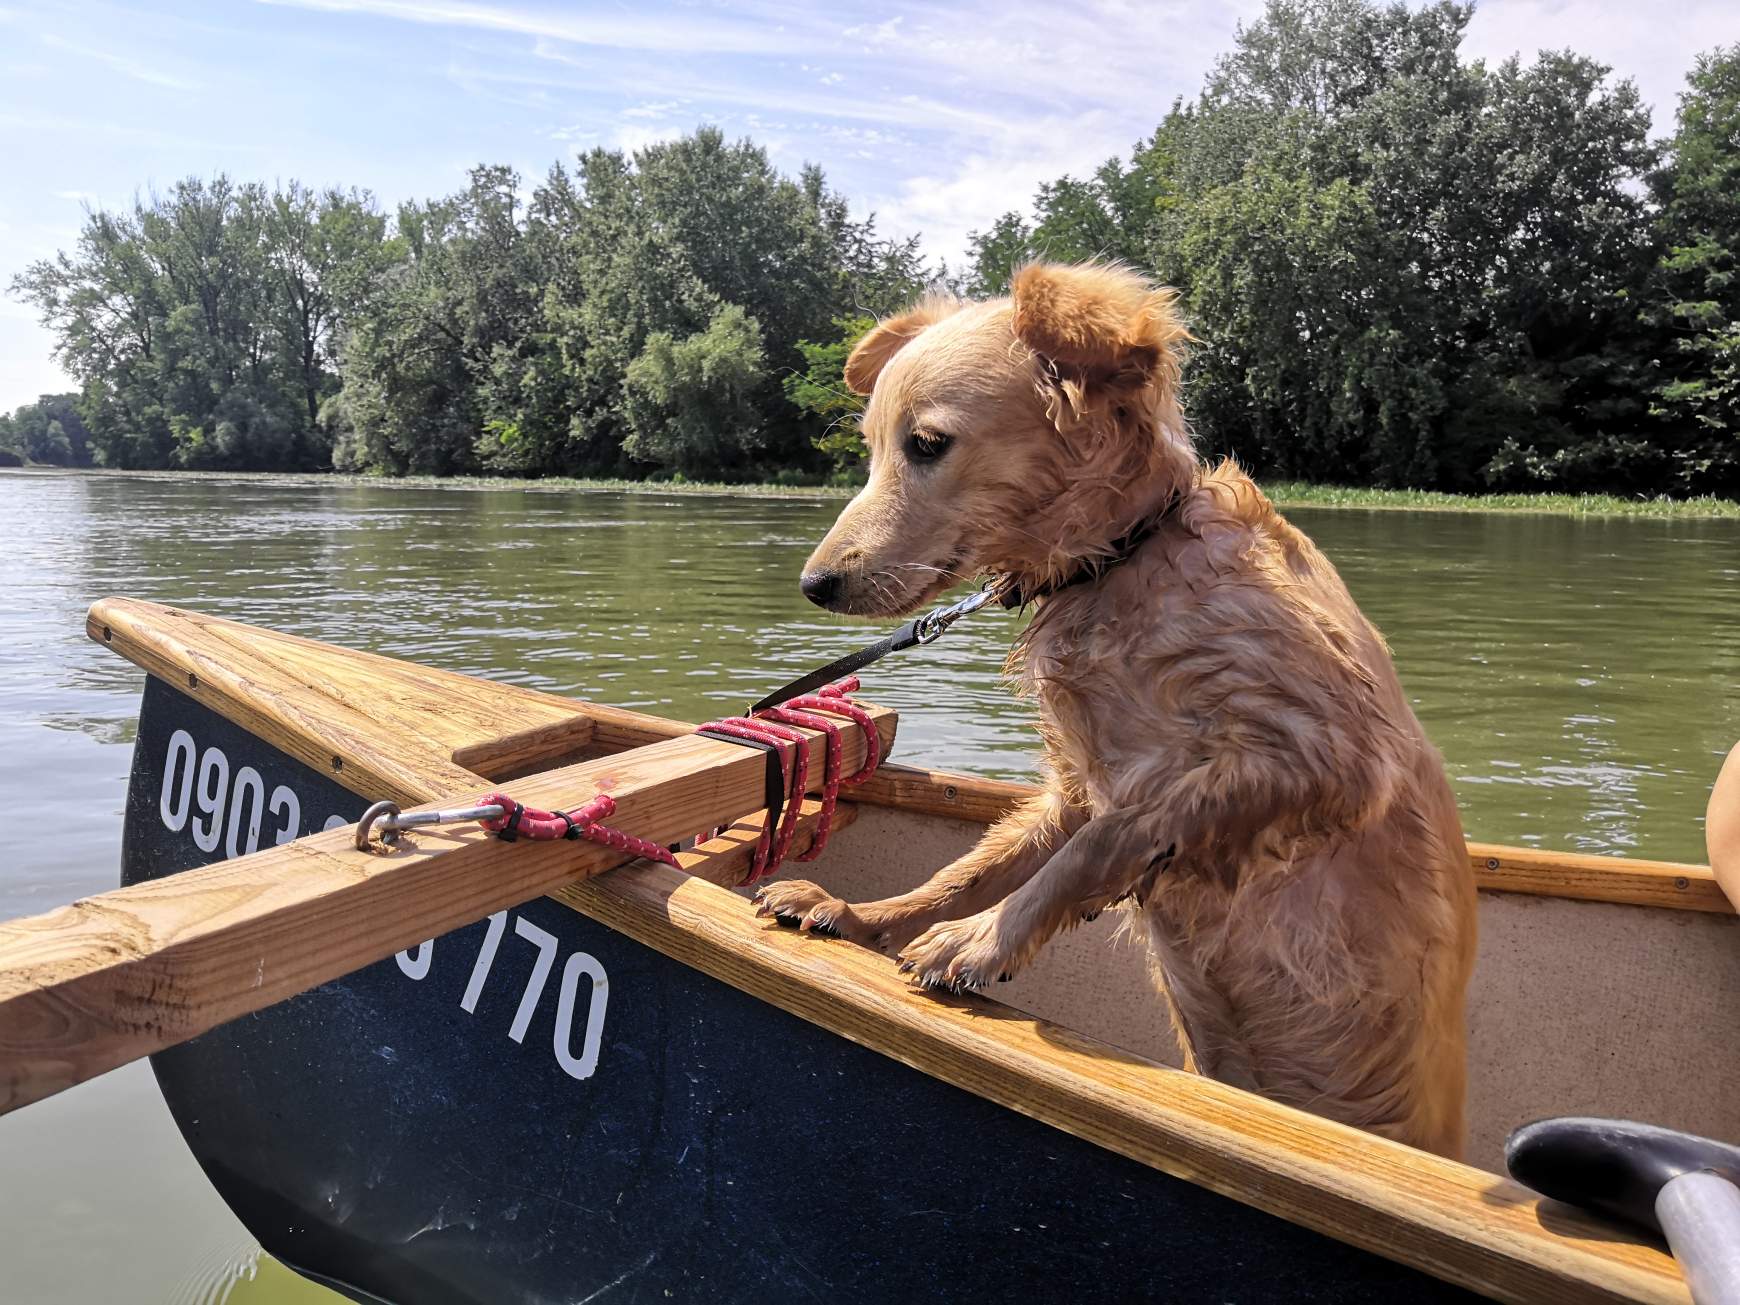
x=1106 y=859
x=1009 y=854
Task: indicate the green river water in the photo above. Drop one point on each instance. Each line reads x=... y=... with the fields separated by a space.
x=1581 y=676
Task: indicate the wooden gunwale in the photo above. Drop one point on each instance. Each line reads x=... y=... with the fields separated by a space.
x=1447 y=1219
x=1498 y=868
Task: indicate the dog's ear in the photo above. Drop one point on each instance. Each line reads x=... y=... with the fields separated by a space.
x=1103 y=320
x=887 y=338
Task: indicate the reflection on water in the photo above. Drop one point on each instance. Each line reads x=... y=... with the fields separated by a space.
x=246 y=1276
x=1580 y=676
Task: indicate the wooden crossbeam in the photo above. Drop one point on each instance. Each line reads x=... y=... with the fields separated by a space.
x=114 y=977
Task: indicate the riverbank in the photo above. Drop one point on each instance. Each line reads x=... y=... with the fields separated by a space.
x=1283 y=493
x=1297 y=494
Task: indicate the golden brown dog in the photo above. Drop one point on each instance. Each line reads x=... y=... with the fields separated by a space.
x=1226 y=743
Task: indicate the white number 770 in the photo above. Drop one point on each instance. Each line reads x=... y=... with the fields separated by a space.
x=581 y=1066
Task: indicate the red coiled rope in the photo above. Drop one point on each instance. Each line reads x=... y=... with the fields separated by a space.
x=520 y=821
x=775 y=725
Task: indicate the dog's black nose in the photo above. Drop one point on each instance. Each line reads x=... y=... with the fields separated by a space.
x=820 y=587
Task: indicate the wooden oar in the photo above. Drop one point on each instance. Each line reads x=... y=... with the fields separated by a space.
x=123 y=974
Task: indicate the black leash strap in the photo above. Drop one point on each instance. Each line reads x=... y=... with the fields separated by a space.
x=905 y=637
x=774 y=786
x=921 y=629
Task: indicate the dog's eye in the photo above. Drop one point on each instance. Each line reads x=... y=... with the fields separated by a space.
x=927 y=445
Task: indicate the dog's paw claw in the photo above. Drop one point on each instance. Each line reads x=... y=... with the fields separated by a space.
x=959 y=956
x=797 y=903
x=789 y=902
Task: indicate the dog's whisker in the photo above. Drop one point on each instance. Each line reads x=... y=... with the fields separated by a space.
x=922 y=566
x=881 y=590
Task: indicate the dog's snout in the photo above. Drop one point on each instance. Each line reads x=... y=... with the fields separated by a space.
x=821 y=587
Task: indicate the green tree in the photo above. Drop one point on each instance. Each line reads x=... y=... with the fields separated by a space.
x=1311 y=361
x=327 y=249
x=690 y=404
x=1403 y=267
x=996 y=255
x=660 y=244
x=48 y=431
x=820 y=390
x=1696 y=307
x=199 y=323
x=422 y=364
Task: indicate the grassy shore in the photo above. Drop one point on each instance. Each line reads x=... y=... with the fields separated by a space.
x=1292 y=493
x=1284 y=493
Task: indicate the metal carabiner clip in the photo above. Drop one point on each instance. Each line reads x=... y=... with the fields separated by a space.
x=932 y=624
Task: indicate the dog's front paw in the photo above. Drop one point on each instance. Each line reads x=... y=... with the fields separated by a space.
x=811 y=908
x=959 y=955
x=799 y=903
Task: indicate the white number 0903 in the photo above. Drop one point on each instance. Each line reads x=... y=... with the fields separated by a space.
x=198 y=789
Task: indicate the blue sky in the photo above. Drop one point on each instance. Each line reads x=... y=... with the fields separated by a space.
x=937 y=116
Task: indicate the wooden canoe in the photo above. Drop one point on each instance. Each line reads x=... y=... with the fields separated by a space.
x=627 y=1083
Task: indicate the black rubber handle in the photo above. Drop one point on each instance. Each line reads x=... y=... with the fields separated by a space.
x=1612 y=1166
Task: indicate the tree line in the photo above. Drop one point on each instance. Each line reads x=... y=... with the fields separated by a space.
x=1402 y=267
x=624 y=317
x=1405 y=268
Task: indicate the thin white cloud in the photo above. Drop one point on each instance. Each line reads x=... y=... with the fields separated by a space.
x=885 y=33
x=960 y=111
x=969 y=195
x=632 y=136
x=625 y=29
x=76 y=196
x=660 y=109
x=768 y=94
x=58 y=124
x=127 y=67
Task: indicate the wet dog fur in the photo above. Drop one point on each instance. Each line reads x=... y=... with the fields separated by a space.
x=1228 y=753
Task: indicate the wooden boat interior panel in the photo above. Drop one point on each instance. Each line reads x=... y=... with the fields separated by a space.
x=1569 y=997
